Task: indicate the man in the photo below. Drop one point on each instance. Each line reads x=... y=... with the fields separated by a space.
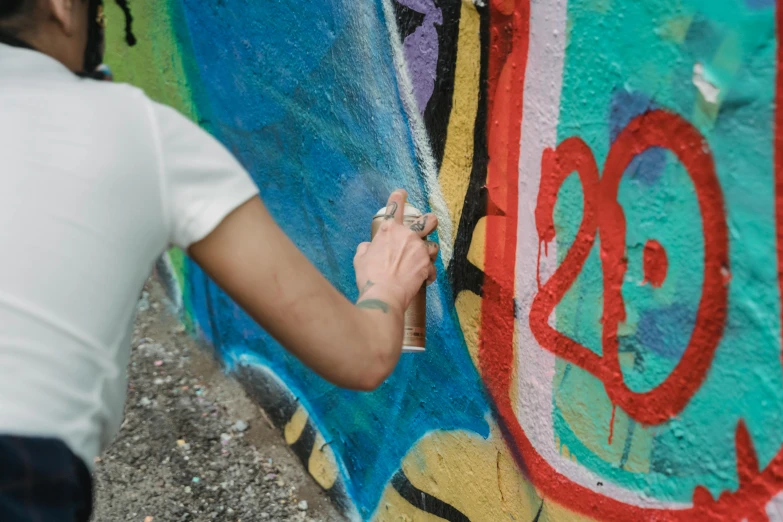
x=97 y=181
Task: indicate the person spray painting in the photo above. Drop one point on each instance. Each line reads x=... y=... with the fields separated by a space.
x=97 y=182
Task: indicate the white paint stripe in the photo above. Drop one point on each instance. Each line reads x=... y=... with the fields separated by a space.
x=420 y=139
x=775 y=508
x=539 y=131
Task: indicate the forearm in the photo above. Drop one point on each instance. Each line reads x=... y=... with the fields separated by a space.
x=259 y=267
x=353 y=346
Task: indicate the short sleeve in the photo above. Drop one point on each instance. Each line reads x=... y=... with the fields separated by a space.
x=201 y=181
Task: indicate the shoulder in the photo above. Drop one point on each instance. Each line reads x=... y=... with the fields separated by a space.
x=121 y=95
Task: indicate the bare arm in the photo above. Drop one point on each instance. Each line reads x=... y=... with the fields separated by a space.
x=353 y=346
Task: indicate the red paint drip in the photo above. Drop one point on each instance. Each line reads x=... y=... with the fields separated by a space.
x=655 y=263
x=611 y=424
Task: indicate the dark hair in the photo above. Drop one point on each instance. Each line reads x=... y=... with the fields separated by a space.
x=130 y=38
x=9 y=8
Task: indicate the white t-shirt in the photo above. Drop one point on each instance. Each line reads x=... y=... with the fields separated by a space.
x=97 y=181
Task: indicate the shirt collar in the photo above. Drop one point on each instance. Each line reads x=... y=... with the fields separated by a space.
x=18 y=62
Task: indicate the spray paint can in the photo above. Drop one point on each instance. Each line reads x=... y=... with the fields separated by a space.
x=416 y=314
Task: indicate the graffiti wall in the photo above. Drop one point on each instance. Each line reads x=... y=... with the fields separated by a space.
x=604 y=339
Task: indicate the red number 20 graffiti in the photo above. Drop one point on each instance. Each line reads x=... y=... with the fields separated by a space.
x=604 y=215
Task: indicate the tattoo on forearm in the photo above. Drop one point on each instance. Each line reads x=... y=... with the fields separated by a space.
x=419 y=226
x=369 y=284
x=373 y=304
x=391 y=210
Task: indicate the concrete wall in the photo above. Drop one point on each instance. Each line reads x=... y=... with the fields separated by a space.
x=604 y=339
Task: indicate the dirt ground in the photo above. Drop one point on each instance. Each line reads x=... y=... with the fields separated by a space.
x=193 y=446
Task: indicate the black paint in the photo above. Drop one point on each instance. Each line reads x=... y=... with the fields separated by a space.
x=425 y=501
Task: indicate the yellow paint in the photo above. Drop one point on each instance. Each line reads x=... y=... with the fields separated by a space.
x=728 y=57
x=475 y=475
x=293 y=430
x=478 y=243
x=458 y=152
x=468 y=307
x=675 y=29
x=322 y=464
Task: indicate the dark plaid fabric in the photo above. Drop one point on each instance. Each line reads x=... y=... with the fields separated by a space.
x=41 y=480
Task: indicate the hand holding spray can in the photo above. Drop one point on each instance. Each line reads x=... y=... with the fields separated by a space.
x=416 y=315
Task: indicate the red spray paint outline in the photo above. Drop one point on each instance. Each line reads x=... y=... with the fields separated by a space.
x=602 y=212
x=509 y=41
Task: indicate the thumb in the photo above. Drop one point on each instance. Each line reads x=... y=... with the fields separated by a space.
x=362 y=249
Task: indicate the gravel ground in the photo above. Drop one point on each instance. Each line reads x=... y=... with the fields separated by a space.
x=193 y=446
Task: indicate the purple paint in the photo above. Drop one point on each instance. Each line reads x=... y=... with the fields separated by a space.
x=421 y=50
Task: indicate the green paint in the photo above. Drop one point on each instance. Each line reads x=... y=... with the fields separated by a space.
x=155 y=63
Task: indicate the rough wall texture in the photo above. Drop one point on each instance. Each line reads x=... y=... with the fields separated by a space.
x=605 y=337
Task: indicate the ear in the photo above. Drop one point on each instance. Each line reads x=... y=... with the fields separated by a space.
x=63 y=12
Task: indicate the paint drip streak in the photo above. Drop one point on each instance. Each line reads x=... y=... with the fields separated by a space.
x=538 y=514
x=611 y=424
x=425 y=501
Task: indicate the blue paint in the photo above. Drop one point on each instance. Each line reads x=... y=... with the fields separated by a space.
x=665 y=331
x=760 y=4
x=309 y=103
x=624 y=107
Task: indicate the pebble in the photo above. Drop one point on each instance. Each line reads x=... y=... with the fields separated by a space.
x=240 y=426
x=145 y=401
x=302 y=506
x=144 y=303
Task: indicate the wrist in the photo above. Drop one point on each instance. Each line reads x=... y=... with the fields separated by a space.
x=383 y=294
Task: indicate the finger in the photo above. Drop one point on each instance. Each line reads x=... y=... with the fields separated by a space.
x=432 y=275
x=433 y=248
x=395 y=207
x=361 y=249
x=424 y=225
